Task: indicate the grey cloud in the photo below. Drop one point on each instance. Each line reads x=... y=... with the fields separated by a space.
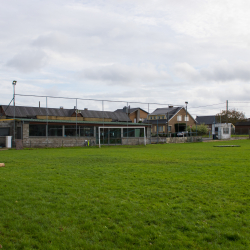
x=224 y=71
x=119 y=74
x=219 y=72
x=28 y=61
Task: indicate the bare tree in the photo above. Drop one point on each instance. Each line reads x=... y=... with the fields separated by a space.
x=232 y=116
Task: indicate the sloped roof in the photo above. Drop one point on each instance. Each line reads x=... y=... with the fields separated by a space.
x=23 y=111
x=209 y=119
x=115 y=116
x=164 y=111
x=247 y=123
x=32 y=112
x=131 y=110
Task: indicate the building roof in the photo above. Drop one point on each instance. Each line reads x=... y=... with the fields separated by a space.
x=115 y=116
x=170 y=111
x=131 y=110
x=81 y=122
x=247 y=123
x=207 y=120
x=32 y=112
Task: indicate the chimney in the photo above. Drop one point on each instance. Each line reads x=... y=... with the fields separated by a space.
x=61 y=107
x=170 y=106
x=85 y=108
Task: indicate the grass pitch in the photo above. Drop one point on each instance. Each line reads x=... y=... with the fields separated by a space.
x=177 y=196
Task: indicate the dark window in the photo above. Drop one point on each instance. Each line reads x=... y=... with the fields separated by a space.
x=4 y=131
x=55 y=130
x=133 y=132
x=37 y=130
x=19 y=133
x=128 y=132
x=70 y=130
x=86 y=131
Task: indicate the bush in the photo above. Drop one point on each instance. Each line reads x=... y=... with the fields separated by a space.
x=201 y=129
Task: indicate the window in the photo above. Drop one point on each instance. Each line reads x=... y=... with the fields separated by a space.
x=70 y=130
x=225 y=130
x=162 y=117
x=151 y=117
x=55 y=130
x=37 y=130
x=4 y=131
x=158 y=117
x=186 y=118
x=169 y=128
x=133 y=132
x=160 y=129
x=87 y=131
x=179 y=118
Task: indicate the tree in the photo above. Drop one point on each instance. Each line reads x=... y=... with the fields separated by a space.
x=201 y=129
x=232 y=116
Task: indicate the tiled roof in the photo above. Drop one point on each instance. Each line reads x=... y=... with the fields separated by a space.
x=83 y=122
x=131 y=110
x=210 y=119
x=32 y=112
x=247 y=123
x=164 y=111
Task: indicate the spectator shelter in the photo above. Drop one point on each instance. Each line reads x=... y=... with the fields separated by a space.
x=57 y=127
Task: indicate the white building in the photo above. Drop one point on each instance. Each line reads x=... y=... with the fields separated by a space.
x=221 y=131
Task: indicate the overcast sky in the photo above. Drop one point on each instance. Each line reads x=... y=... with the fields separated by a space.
x=158 y=51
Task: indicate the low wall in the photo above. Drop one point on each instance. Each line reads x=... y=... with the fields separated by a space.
x=55 y=142
x=158 y=140
x=134 y=141
x=183 y=139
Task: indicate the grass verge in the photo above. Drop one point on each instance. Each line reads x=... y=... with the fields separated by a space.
x=178 y=196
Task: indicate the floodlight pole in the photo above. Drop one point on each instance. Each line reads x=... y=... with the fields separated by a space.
x=14 y=104
x=186 y=114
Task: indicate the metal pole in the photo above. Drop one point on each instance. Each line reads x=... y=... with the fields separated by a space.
x=14 y=104
x=127 y=121
x=76 y=121
x=145 y=142
x=186 y=116
x=14 y=113
x=227 y=111
x=157 y=131
x=47 y=129
x=103 y=122
x=167 y=123
x=99 y=136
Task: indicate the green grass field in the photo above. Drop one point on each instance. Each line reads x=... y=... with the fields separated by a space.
x=176 y=196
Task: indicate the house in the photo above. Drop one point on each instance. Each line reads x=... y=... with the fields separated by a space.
x=242 y=128
x=208 y=120
x=170 y=120
x=56 y=127
x=136 y=115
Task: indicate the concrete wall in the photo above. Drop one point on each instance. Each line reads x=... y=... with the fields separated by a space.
x=54 y=142
x=183 y=139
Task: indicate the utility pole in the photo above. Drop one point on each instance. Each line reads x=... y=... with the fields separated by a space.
x=14 y=104
x=227 y=110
